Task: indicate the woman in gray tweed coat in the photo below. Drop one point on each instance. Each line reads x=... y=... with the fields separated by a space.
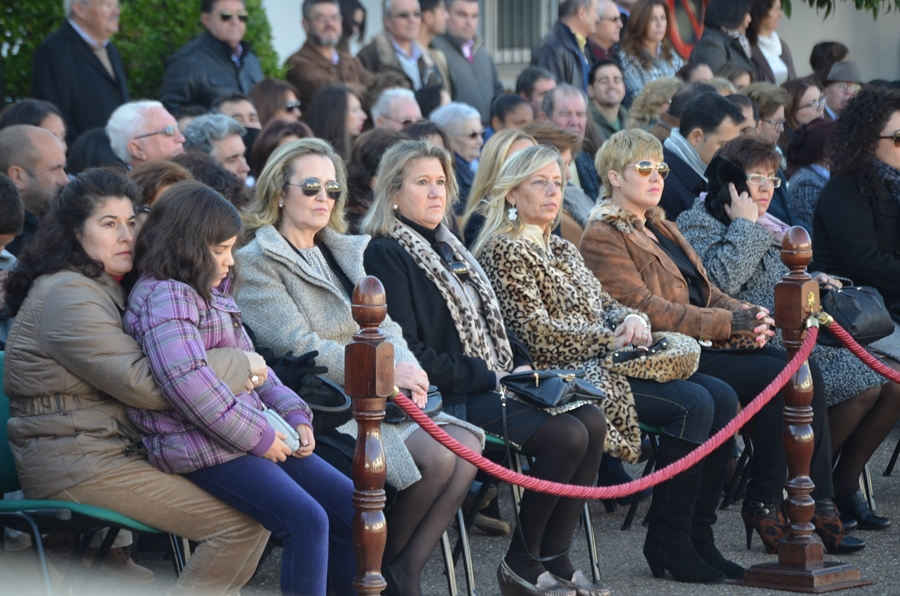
x=740 y=246
x=299 y=271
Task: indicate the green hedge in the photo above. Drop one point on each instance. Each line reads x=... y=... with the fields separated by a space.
x=149 y=32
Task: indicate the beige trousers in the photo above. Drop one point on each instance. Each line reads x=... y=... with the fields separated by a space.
x=230 y=542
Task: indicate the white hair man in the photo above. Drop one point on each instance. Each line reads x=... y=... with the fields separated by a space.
x=221 y=138
x=143 y=130
x=396 y=108
x=78 y=69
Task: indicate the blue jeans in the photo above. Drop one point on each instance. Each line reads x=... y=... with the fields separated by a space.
x=306 y=504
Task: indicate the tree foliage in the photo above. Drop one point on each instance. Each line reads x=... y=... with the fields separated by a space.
x=876 y=7
x=149 y=32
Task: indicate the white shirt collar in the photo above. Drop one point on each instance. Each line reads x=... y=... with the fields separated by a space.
x=86 y=37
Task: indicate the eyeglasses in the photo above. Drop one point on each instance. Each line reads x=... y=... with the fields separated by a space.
x=645 y=168
x=775 y=123
x=291 y=106
x=459 y=268
x=408 y=15
x=614 y=19
x=473 y=135
x=321 y=19
x=406 y=122
x=170 y=131
x=227 y=16
x=312 y=186
x=815 y=104
x=759 y=180
x=894 y=137
x=852 y=87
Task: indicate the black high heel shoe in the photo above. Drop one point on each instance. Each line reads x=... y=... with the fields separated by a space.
x=831 y=530
x=856 y=507
x=768 y=521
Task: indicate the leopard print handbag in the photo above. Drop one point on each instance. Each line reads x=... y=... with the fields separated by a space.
x=672 y=356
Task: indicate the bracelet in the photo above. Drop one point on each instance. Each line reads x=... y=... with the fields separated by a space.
x=639 y=318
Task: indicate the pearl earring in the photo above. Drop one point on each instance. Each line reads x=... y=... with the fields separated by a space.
x=396 y=207
x=280 y=205
x=512 y=214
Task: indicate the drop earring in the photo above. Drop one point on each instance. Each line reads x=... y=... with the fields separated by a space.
x=512 y=214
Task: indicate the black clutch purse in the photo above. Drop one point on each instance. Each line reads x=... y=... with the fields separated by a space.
x=394 y=414
x=860 y=310
x=548 y=388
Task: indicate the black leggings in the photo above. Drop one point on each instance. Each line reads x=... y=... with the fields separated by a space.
x=749 y=373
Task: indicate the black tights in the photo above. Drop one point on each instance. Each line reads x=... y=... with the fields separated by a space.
x=567 y=448
x=424 y=511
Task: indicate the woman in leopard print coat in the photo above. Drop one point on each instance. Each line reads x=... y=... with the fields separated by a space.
x=553 y=302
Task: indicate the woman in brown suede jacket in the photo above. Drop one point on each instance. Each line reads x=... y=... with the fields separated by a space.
x=644 y=262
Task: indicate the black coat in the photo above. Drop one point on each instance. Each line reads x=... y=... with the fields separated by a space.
x=858 y=237
x=682 y=187
x=716 y=47
x=587 y=175
x=67 y=73
x=415 y=303
x=202 y=71
x=559 y=54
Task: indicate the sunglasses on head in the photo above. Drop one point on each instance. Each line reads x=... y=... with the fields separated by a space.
x=312 y=186
x=227 y=16
x=170 y=131
x=894 y=137
x=645 y=168
x=459 y=268
x=291 y=106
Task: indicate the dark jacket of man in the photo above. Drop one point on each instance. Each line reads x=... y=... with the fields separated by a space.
x=558 y=52
x=379 y=56
x=606 y=129
x=587 y=175
x=310 y=72
x=32 y=223
x=683 y=186
x=475 y=83
x=67 y=73
x=202 y=71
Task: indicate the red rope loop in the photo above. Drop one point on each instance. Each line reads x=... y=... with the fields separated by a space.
x=861 y=353
x=621 y=490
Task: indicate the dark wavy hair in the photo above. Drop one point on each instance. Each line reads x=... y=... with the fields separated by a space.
x=175 y=241
x=824 y=55
x=807 y=146
x=28 y=111
x=56 y=246
x=633 y=42
x=851 y=146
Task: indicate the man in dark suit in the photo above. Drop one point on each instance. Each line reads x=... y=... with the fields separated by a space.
x=79 y=70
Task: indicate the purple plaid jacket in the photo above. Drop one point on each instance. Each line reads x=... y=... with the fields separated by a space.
x=208 y=425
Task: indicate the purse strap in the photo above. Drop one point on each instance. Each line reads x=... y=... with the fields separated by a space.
x=516 y=509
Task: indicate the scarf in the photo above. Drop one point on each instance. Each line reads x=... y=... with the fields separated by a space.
x=774 y=226
x=742 y=39
x=490 y=344
x=679 y=145
x=891 y=177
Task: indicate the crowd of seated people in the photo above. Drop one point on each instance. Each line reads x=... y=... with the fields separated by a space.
x=152 y=250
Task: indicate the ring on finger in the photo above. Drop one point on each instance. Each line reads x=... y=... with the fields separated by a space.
x=254 y=379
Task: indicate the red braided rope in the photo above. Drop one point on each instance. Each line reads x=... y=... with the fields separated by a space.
x=621 y=490
x=861 y=353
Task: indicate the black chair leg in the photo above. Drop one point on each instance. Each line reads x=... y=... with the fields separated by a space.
x=111 y=535
x=890 y=467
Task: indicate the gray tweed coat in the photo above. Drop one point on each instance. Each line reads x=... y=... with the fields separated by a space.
x=803 y=191
x=744 y=260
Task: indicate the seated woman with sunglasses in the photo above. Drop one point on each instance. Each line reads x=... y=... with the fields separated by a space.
x=643 y=261
x=740 y=246
x=300 y=270
x=452 y=322
x=556 y=305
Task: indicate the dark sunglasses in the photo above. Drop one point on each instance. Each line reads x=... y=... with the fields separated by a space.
x=459 y=268
x=227 y=16
x=474 y=134
x=292 y=105
x=645 y=168
x=170 y=131
x=408 y=15
x=312 y=186
x=895 y=137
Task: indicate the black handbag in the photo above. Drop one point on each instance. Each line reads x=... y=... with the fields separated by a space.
x=394 y=414
x=550 y=388
x=330 y=404
x=860 y=310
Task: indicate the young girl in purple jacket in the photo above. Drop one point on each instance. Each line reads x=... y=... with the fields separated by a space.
x=182 y=306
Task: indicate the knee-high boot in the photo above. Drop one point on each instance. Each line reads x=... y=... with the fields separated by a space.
x=708 y=496
x=668 y=545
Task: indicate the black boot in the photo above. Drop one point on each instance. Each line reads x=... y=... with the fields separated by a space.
x=668 y=544
x=715 y=467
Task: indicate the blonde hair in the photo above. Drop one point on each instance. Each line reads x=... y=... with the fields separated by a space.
x=722 y=85
x=517 y=170
x=623 y=148
x=493 y=155
x=272 y=185
x=393 y=170
x=645 y=108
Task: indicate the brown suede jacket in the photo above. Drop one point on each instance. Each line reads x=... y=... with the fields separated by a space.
x=638 y=273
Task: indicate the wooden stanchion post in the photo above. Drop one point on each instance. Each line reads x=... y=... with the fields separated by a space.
x=800 y=566
x=369 y=380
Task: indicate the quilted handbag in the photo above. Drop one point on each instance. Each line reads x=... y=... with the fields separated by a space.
x=672 y=356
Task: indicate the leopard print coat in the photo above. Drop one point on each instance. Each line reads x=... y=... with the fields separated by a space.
x=556 y=306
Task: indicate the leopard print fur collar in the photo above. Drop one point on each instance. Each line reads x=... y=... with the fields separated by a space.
x=610 y=212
